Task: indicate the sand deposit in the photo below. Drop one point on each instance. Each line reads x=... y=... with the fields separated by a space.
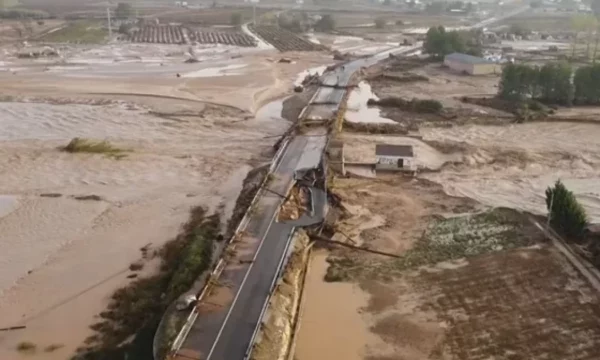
x=84 y=247
x=512 y=165
x=63 y=257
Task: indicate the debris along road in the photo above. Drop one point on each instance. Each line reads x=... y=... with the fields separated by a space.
x=228 y=316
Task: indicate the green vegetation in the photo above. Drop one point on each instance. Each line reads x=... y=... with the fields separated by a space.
x=78 y=32
x=445 y=240
x=26 y=347
x=123 y=11
x=551 y=83
x=440 y=7
x=127 y=328
x=236 y=19
x=567 y=216
x=415 y=105
x=587 y=84
x=53 y=347
x=9 y=12
x=80 y=145
x=439 y=42
x=326 y=23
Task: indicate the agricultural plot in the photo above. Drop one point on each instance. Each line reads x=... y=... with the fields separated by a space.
x=176 y=34
x=284 y=40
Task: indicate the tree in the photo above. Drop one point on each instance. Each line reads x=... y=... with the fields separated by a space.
x=518 y=82
x=439 y=43
x=123 y=11
x=380 y=23
x=587 y=84
x=325 y=23
x=436 y=7
x=519 y=30
x=566 y=215
x=554 y=83
x=236 y=19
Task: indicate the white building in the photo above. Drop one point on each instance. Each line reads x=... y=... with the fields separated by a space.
x=394 y=157
x=471 y=65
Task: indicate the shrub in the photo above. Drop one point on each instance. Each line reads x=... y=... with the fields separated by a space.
x=53 y=347
x=380 y=23
x=77 y=145
x=422 y=106
x=236 y=19
x=326 y=23
x=427 y=106
x=567 y=216
x=26 y=346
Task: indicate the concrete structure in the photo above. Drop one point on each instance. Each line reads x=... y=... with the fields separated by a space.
x=394 y=157
x=471 y=65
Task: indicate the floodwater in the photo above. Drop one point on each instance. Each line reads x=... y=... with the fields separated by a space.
x=512 y=166
x=216 y=71
x=7 y=204
x=358 y=111
x=331 y=326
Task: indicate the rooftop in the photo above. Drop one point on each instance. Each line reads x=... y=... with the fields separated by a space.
x=394 y=150
x=467 y=59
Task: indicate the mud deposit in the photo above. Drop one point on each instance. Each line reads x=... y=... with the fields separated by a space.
x=512 y=165
x=73 y=253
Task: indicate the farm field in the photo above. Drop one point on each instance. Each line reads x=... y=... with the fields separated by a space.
x=175 y=34
x=466 y=281
x=284 y=40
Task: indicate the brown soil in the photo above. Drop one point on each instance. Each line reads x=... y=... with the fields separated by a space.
x=370 y=219
x=443 y=85
x=467 y=308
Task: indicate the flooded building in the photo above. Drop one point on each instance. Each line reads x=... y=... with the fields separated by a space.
x=394 y=157
x=472 y=65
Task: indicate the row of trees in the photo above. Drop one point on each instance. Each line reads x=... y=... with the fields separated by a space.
x=440 y=42
x=552 y=83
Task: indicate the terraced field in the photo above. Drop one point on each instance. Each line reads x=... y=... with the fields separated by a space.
x=177 y=34
x=284 y=40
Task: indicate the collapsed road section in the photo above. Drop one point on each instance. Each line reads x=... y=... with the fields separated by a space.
x=229 y=314
x=232 y=307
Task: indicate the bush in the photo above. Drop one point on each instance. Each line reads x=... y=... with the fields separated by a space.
x=567 y=216
x=427 y=106
x=77 y=145
x=236 y=19
x=422 y=106
x=380 y=23
x=326 y=23
x=26 y=346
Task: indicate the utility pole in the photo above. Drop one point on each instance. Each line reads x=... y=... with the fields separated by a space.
x=109 y=24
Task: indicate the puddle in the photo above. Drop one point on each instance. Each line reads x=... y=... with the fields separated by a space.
x=216 y=71
x=316 y=70
x=358 y=111
x=8 y=204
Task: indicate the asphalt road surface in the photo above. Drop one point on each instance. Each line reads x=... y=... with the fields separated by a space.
x=225 y=333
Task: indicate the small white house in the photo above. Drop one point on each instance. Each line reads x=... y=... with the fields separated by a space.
x=471 y=65
x=394 y=157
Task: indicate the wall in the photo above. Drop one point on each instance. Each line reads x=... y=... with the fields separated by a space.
x=483 y=69
x=391 y=162
x=459 y=66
